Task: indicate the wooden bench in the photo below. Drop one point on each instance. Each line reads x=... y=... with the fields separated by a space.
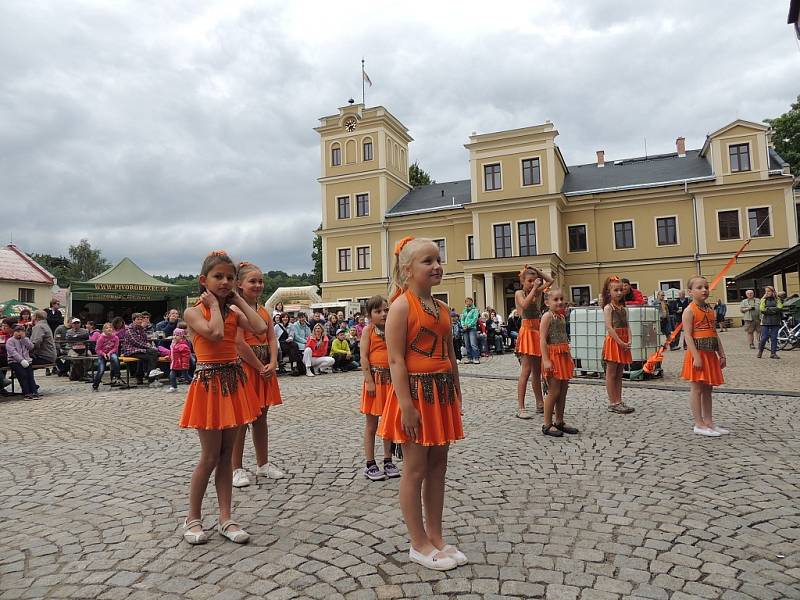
x=10 y=373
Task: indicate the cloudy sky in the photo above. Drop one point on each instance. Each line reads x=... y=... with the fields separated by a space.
x=162 y=130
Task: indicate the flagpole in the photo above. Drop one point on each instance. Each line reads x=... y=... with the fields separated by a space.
x=363 y=87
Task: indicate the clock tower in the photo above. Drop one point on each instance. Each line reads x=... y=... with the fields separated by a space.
x=364 y=167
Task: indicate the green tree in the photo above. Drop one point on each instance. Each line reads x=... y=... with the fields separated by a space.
x=418 y=177
x=59 y=266
x=316 y=256
x=786 y=136
x=86 y=261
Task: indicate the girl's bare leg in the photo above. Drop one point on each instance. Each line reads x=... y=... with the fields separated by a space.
x=553 y=392
x=561 y=401
x=223 y=477
x=695 y=403
x=433 y=493
x=620 y=369
x=260 y=438
x=708 y=418
x=238 y=447
x=210 y=443
x=611 y=384
x=536 y=380
x=370 y=429
x=415 y=469
x=522 y=382
x=387 y=449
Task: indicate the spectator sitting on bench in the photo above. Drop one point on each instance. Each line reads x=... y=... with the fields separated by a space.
x=6 y=331
x=136 y=345
x=168 y=326
x=18 y=349
x=44 y=347
x=342 y=354
x=107 y=350
x=77 y=336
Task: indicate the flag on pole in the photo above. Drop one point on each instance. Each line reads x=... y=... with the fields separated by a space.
x=366 y=78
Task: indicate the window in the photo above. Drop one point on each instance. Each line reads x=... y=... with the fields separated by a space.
x=491 y=177
x=26 y=295
x=531 y=173
x=363 y=258
x=737 y=292
x=471 y=246
x=728 y=221
x=623 y=235
x=442 y=249
x=344 y=259
x=577 y=238
x=362 y=205
x=502 y=240
x=740 y=157
x=758 y=219
x=444 y=297
x=581 y=295
x=667 y=231
x=362 y=303
x=669 y=285
x=368 y=150
x=527 y=238
x=336 y=155
x=343 y=207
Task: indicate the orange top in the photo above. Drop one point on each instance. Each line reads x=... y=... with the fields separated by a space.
x=703 y=323
x=251 y=338
x=426 y=336
x=217 y=352
x=378 y=354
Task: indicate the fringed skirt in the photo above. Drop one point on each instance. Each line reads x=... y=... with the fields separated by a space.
x=613 y=352
x=373 y=405
x=528 y=341
x=561 y=358
x=217 y=398
x=710 y=373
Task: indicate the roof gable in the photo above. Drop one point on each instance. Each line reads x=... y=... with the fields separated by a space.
x=127 y=271
x=15 y=265
x=728 y=127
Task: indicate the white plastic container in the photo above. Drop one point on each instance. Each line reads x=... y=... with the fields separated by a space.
x=588 y=332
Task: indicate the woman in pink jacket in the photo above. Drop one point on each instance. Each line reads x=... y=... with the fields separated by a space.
x=107 y=350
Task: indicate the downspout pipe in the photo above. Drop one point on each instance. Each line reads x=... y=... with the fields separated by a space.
x=696 y=228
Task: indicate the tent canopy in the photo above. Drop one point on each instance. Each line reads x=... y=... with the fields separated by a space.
x=126 y=281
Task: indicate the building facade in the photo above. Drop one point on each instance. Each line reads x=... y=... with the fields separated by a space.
x=657 y=220
x=23 y=279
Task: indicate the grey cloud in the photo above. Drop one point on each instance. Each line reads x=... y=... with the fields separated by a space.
x=162 y=133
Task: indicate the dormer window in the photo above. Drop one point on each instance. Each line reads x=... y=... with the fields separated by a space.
x=336 y=155
x=740 y=157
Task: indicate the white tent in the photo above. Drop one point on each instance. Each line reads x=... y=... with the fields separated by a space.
x=294 y=298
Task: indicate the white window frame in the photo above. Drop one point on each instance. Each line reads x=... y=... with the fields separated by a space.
x=483 y=175
x=442 y=258
x=355 y=203
x=660 y=281
x=771 y=222
x=522 y=183
x=585 y=285
x=516 y=232
x=749 y=156
x=349 y=207
x=369 y=258
x=738 y=212
x=586 y=232
x=614 y=233
x=31 y=300
x=334 y=146
x=494 y=246
x=339 y=262
x=677 y=230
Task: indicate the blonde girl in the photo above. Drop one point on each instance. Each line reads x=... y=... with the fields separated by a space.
x=557 y=364
x=616 y=346
x=529 y=305
x=423 y=412
x=705 y=358
x=260 y=356
x=216 y=402
x=376 y=387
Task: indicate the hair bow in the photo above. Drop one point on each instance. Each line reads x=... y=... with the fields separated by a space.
x=614 y=278
x=218 y=253
x=398 y=247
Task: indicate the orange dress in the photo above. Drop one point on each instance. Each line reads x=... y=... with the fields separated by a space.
x=262 y=392
x=528 y=340
x=612 y=351
x=217 y=396
x=705 y=338
x=430 y=378
x=558 y=349
x=379 y=368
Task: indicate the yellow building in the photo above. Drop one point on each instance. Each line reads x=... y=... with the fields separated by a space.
x=657 y=220
x=23 y=279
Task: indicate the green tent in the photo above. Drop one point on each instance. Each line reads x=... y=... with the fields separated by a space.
x=12 y=308
x=125 y=286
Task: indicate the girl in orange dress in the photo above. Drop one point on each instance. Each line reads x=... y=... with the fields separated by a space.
x=376 y=388
x=529 y=306
x=216 y=402
x=423 y=411
x=617 y=344
x=705 y=359
x=557 y=363
x=260 y=356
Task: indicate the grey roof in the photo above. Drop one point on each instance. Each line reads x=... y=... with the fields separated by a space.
x=630 y=172
x=437 y=196
x=636 y=172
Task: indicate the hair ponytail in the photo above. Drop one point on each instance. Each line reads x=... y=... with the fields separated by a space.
x=404 y=251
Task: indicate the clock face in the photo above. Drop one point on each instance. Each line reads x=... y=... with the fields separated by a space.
x=350 y=124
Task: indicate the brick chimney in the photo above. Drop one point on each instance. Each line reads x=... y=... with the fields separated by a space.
x=680 y=144
x=601 y=160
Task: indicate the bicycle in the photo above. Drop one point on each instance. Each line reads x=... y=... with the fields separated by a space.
x=789 y=334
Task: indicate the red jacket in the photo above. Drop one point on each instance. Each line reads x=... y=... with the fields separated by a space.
x=179 y=353
x=318 y=350
x=638 y=299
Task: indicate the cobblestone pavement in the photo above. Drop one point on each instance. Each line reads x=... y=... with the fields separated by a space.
x=744 y=370
x=93 y=489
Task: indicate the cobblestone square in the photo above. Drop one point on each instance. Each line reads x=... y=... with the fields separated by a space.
x=94 y=488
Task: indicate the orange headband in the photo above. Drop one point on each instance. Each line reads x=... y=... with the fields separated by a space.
x=398 y=247
x=613 y=278
x=244 y=263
